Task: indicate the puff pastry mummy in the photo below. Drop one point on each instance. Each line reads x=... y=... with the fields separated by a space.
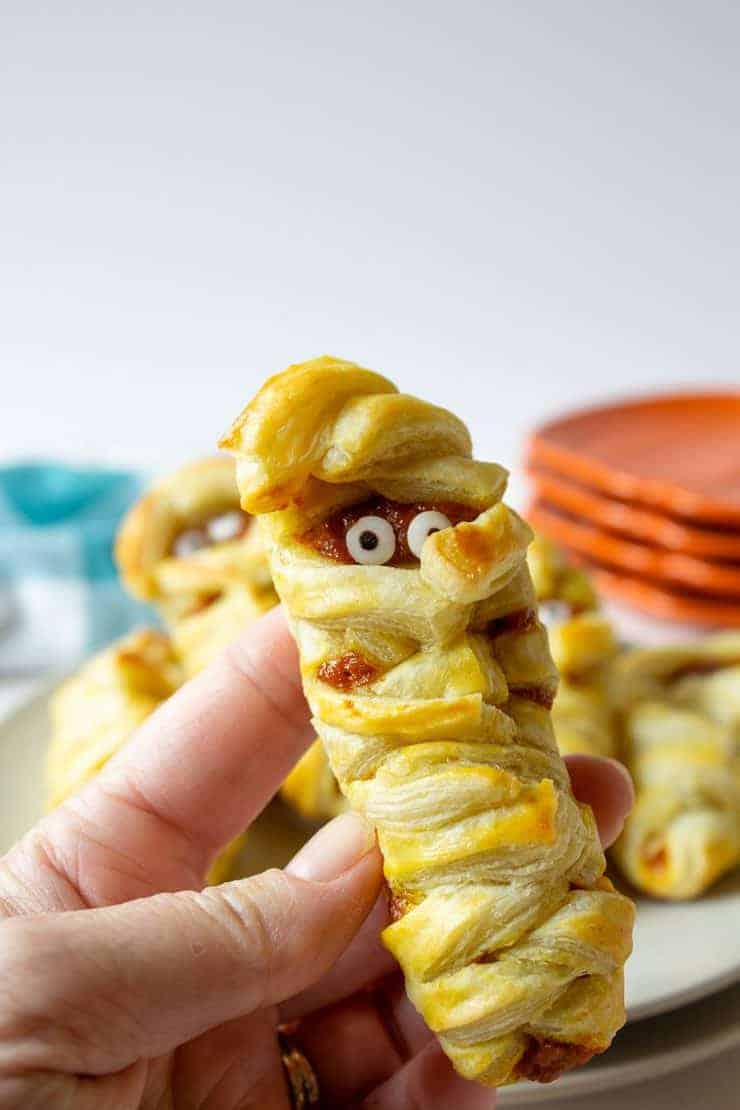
x=188 y=548
x=680 y=713
x=429 y=678
x=95 y=712
x=583 y=645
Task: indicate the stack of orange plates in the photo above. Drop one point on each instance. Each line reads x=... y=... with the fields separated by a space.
x=646 y=493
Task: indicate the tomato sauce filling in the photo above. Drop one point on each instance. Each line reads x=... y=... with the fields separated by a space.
x=347 y=672
x=329 y=537
x=655 y=855
x=544 y=1060
x=540 y=695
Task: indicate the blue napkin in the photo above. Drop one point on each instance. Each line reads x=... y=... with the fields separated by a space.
x=60 y=597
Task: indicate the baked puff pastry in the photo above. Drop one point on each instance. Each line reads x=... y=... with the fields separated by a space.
x=583 y=646
x=680 y=713
x=95 y=712
x=311 y=788
x=189 y=548
x=429 y=677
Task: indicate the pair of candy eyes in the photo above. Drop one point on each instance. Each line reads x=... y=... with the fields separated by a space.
x=221 y=528
x=371 y=540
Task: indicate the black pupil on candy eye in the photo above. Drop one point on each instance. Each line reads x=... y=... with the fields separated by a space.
x=368 y=541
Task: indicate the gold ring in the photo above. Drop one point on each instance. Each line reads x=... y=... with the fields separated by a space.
x=303 y=1086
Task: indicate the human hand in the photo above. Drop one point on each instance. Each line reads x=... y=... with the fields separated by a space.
x=124 y=985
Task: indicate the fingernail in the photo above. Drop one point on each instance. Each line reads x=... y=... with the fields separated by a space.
x=334 y=849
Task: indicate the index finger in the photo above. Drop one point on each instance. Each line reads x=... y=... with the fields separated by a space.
x=192 y=777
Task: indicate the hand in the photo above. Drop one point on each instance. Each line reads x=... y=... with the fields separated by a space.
x=124 y=985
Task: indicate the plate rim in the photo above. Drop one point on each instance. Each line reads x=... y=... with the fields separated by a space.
x=611 y=1077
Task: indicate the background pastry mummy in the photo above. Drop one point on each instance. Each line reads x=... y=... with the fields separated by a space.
x=188 y=548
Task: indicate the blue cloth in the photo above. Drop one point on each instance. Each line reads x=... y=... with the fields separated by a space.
x=60 y=597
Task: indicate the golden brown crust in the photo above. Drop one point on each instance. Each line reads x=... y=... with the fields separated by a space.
x=679 y=709
x=206 y=595
x=486 y=852
x=94 y=713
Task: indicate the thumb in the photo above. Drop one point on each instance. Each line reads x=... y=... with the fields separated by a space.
x=93 y=990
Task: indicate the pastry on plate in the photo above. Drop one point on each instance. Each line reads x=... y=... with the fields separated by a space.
x=189 y=548
x=680 y=717
x=430 y=680
x=583 y=646
x=94 y=712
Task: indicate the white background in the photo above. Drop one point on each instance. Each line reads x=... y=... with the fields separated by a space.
x=507 y=207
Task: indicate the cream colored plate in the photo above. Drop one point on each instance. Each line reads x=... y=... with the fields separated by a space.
x=647 y=1050
x=682 y=952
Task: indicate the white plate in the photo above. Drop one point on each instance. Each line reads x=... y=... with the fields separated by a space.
x=682 y=952
x=646 y=1050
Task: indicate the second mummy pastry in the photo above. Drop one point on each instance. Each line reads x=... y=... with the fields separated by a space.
x=430 y=681
x=96 y=710
x=188 y=547
x=680 y=713
x=583 y=647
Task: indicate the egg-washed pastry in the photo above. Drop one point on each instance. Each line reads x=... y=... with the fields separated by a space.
x=94 y=713
x=680 y=714
x=429 y=677
x=582 y=644
x=311 y=788
x=189 y=548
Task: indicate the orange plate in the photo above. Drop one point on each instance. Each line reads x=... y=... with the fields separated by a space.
x=716 y=579
x=663 y=603
x=632 y=521
x=679 y=453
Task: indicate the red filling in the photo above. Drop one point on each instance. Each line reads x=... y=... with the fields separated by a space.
x=540 y=695
x=545 y=1060
x=347 y=671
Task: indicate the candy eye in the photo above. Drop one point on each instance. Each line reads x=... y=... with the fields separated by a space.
x=227 y=526
x=188 y=542
x=371 y=540
x=422 y=526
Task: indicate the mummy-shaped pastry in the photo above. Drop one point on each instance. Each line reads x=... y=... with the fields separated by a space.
x=94 y=713
x=189 y=548
x=583 y=646
x=680 y=711
x=430 y=681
